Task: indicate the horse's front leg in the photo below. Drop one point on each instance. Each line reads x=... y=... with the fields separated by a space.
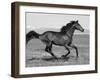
x=67 y=48
x=49 y=49
x=73 y=46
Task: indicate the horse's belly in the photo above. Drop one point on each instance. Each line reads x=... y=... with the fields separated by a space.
x=61 y=41
x=58 y=43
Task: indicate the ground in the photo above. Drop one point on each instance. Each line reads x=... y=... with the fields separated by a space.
x=37 y=57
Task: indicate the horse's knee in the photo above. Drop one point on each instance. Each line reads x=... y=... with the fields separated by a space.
x=67 y=48
x=75 y=48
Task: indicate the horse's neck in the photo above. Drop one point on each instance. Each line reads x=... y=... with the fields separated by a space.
x=70 y=32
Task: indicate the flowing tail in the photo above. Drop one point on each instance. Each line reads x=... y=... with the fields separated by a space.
x=30 y=35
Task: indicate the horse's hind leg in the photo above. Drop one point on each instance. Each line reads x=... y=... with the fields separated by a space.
x=49 y=49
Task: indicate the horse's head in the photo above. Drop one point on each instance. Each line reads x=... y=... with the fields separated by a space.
x=78 y=26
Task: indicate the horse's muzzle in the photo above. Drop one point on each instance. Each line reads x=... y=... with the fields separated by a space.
x=82 y=30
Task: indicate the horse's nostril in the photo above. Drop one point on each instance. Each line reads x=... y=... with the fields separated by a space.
x=82 y=30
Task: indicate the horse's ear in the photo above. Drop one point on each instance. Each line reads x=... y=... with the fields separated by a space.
x=77 y=21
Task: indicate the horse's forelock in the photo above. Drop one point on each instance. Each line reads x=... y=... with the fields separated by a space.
x=72 y=22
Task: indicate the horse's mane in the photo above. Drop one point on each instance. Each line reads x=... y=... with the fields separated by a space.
x=67 y=27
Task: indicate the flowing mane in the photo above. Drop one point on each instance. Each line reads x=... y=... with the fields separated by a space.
x=67 y=27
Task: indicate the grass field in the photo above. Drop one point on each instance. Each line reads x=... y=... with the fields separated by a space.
x=37 y=57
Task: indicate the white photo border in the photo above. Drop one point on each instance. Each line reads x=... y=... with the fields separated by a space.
x=53 y=69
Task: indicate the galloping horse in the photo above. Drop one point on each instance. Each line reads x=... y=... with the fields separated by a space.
x=62 y=38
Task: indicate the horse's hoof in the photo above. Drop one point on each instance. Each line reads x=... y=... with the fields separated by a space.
x=63 y=56
x=55 y=58
x=76 y=58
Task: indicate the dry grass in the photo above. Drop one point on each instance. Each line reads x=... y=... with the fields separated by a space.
x=36 y=56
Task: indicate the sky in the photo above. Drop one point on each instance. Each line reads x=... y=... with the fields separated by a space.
x=42 y=22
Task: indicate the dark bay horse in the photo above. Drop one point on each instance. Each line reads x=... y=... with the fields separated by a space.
x=62 y=38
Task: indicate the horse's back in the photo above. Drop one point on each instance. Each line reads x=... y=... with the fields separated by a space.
x=56 y=37
x=48 y=35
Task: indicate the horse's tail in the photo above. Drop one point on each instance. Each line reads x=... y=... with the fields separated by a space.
x=30 y=35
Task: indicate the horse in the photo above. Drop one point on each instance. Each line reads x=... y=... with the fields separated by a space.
x=62 y=38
